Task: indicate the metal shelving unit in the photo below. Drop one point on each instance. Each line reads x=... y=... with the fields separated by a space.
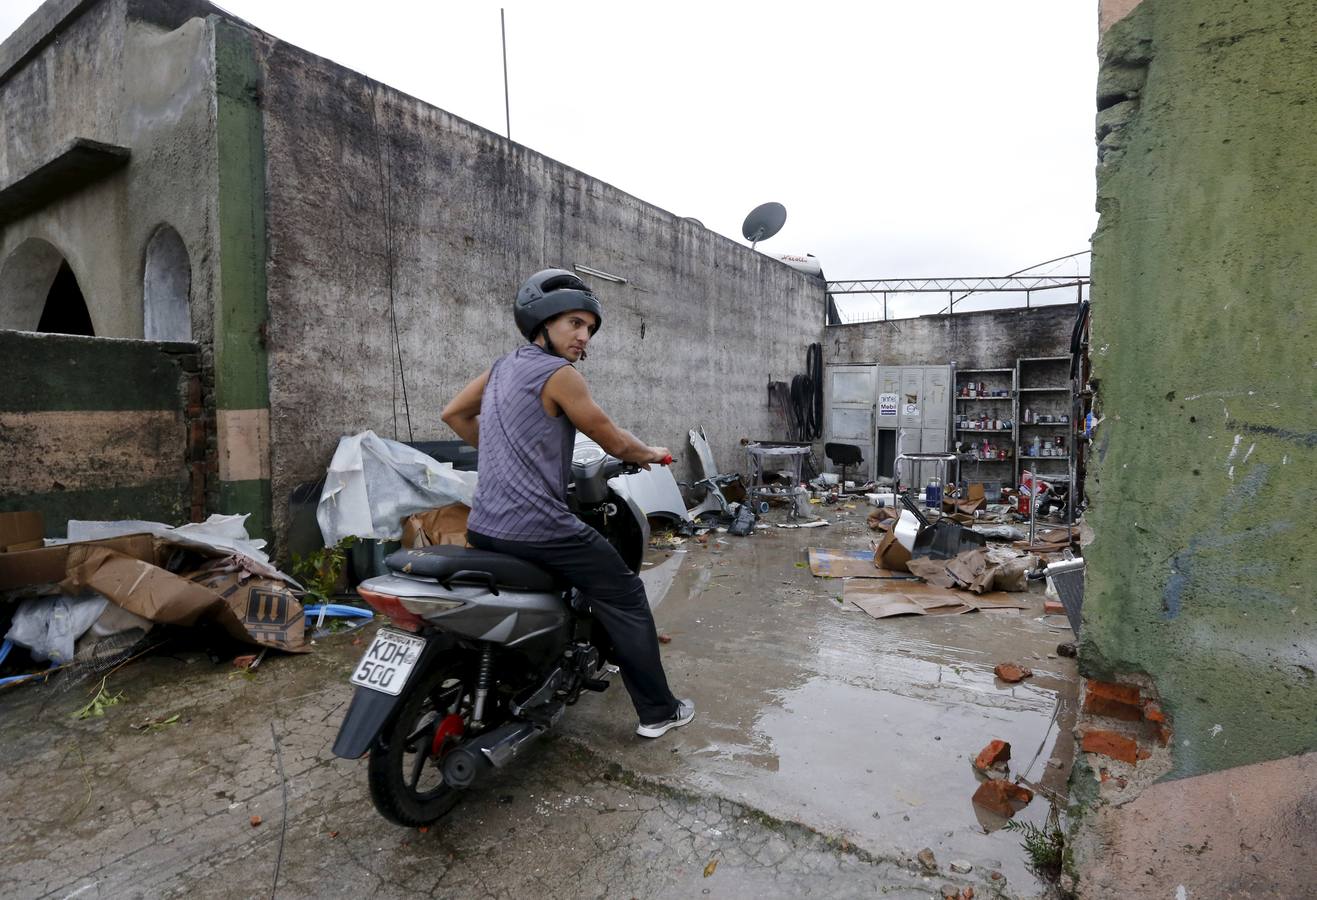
x=1000 y=379
x=1048 y=369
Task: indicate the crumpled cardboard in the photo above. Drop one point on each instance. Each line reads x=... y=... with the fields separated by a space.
x=435 y=527
x=889 y=554
x=252 y=608
x=881 y=599
x=978 y=571
x=49 y=565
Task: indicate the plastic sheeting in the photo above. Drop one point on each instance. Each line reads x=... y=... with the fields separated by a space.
x=227 y=534
x=48 y=626
x=374 y=483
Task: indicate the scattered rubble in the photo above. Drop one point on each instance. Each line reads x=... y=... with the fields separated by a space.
x=1000 y=796
x=993 y=756
x=1012 y=673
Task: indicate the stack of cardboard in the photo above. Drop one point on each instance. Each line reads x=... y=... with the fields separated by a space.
x=165 y=583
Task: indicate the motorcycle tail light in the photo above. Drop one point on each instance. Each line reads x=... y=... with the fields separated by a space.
x=428 y=606
x=391 y=606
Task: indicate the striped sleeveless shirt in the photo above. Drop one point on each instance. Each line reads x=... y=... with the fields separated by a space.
x=525 y=455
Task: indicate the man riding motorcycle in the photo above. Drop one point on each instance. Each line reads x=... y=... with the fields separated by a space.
x=522 y=414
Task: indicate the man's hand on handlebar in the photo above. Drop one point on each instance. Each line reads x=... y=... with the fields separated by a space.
x=660 y=455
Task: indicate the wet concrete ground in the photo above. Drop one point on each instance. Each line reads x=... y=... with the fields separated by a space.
x=828 y=749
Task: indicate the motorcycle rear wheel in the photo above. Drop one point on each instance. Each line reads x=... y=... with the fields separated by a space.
x=406 y=782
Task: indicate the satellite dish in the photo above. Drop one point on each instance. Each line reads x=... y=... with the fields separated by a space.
x=763 y=222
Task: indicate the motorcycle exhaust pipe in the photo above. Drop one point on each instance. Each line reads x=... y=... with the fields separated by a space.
x=492 y=750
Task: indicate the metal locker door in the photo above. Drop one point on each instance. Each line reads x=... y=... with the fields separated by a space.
x=937 y=397
x=850 y=414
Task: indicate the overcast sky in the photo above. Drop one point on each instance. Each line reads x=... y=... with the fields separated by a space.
x=905 y=139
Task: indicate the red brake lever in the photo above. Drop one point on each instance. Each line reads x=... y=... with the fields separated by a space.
x=666 y=461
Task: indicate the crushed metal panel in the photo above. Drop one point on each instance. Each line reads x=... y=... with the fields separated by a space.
x=704 y=452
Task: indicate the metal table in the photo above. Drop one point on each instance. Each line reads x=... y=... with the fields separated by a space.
x=942 y=460
x=787 y=460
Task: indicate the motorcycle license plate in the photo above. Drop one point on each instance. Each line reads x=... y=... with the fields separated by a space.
x=388 y=662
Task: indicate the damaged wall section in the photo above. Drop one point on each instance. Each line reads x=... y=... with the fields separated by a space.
x=1201 y=576
x=92 y=428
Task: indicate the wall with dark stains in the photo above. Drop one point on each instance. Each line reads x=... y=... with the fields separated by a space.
x=388 y=215
x=987 y=339
x=94 y=428
x=1203 y=575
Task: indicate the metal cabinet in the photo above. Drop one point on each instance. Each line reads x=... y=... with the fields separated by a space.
x=887 y=410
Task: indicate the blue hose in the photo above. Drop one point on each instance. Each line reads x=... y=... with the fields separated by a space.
x=335 y=609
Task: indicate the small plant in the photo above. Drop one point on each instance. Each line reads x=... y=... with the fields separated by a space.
x=1044 y=846
x=320 y=571
x=99 y=703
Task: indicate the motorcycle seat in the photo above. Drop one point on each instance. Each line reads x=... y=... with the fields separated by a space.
x=450 y=564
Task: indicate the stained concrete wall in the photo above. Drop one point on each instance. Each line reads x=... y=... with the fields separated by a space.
x=988 y=339
x=100 y=429
x=383 y=210
x=128 y=73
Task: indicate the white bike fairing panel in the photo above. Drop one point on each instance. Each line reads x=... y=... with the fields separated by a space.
x=654 y=490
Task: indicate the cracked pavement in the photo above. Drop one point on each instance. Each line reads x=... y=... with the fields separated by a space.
x=802 y=776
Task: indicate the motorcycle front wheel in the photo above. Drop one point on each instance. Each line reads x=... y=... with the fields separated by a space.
x=406 y=782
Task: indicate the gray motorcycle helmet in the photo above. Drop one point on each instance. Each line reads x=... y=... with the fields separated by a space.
x=549 y=293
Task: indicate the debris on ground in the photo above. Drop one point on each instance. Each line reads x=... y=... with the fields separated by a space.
x=882 y=599
x=927 y=860
x=710 y=868
x=255 y=821
x=1011 y=673
x=1069 y=649
x=993 y=756
x=1000 y=796
x=665 y=638
x=961 y=867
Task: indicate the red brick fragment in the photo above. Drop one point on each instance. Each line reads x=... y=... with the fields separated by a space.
x=1053 y=607
x=1109 y=743
x=1011 y=672
x=1115 y=701
x=1152 y=712
x=999 y=797
x=996 y=752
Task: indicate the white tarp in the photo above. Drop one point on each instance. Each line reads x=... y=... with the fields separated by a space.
x=373 y=483
x=223 y=533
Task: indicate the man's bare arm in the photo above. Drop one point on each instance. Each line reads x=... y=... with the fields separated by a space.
x=566 y=389
x=461 y=412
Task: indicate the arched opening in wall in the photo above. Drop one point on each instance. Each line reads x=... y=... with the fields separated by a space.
x=39 y=292
x=166 y=285
x=65 y=311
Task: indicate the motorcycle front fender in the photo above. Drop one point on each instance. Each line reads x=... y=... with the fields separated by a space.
x=371 y=711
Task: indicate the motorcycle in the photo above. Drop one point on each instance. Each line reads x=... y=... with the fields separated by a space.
x=484 y=654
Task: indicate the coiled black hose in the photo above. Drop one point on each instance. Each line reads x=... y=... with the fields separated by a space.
x=807 y=396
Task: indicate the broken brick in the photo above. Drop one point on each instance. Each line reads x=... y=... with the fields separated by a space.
x=1000 y=796
x=996 y=752
x=1115 y=701
x=1011 y=672
x=1052 y=607
x=1109 y=743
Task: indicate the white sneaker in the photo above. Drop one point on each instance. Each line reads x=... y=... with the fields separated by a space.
x=685 y=712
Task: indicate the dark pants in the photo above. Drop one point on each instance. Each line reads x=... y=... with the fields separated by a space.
x=617 y=601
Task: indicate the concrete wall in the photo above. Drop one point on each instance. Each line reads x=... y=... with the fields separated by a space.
x=102 y=71
x=1201 y=579
x=100 y=429
x=373 y=194
x=987 y=339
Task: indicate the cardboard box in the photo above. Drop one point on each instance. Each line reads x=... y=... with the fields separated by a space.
x=251 y=608
x=443 y=525
x=49 y=565
x=21 y=530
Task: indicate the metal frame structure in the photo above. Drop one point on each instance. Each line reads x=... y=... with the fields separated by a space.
x=966 y=287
